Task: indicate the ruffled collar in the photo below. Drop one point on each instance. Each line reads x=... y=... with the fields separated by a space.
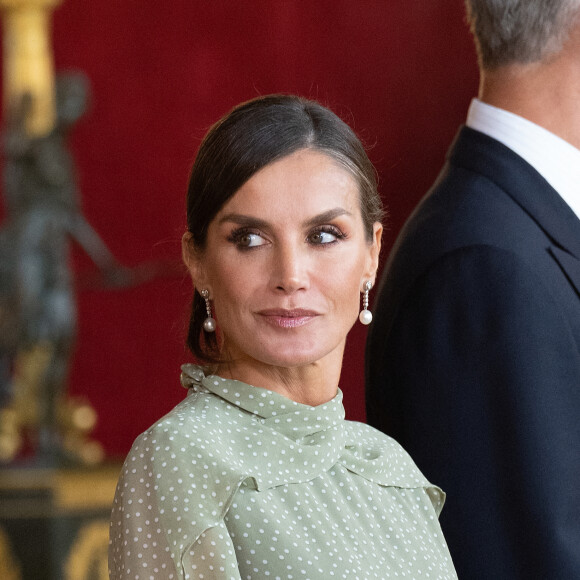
x=292 y=419
x=307 y=441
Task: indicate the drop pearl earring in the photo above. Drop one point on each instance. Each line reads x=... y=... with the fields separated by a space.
x=209 y=322
x=366 y=315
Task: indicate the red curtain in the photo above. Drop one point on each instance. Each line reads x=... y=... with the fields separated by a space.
x=401 y=73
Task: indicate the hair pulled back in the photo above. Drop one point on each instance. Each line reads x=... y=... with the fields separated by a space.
x=245 y=140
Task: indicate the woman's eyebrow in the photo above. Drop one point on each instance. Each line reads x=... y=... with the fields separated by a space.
x=258 y=223
x=327 y=216
x=243 y=220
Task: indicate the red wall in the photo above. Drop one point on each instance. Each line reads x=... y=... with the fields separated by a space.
x=401 y=73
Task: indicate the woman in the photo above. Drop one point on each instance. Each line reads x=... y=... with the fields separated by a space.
x=256 y=473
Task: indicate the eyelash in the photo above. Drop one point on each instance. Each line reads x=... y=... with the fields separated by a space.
x=236 y=236
x=333 y=230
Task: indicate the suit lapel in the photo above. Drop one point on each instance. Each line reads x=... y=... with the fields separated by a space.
x=486 y=156
x=569 y=264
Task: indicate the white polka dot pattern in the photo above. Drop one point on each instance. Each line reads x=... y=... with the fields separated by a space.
x=239 y=482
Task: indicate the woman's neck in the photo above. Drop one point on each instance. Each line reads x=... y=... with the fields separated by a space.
x=312 y=384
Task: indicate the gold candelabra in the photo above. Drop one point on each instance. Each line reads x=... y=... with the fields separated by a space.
x=28 y=63
x=28 y=73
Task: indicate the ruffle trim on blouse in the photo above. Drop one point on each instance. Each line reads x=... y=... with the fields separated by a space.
x=300 y=442
x=191 y=375
x=211 y=446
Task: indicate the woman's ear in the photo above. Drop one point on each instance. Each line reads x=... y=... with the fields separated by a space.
x=374 y=252
x=191 y=259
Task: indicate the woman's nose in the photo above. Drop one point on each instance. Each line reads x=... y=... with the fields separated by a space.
x=290 y=269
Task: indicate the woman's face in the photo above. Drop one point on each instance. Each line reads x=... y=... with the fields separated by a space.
x=285 y=261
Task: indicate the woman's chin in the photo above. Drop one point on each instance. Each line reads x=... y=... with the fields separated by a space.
x=293 y=358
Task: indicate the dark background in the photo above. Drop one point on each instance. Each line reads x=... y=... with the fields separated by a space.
x=400 y=73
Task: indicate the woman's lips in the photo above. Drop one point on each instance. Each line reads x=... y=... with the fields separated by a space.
x=288 y=318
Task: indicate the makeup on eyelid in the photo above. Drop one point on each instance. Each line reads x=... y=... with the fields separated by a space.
x=285 y=261
x=243 y=237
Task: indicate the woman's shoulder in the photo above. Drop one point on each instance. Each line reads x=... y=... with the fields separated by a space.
x=180 y=463
x=200 y=421
x=384 y=452
x=372 y=437
x=382 y=459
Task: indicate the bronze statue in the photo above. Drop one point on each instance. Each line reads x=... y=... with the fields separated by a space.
x=37 y=303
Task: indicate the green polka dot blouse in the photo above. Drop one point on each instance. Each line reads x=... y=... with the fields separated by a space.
x=238 y=482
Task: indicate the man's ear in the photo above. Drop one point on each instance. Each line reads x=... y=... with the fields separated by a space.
x=192 y=260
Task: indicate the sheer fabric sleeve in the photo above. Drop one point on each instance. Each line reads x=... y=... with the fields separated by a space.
x=166 y=522
x=212 y=555
x=143 y=553
x=138 y=544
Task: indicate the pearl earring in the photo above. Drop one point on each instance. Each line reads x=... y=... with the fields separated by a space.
x=209 y=322
x=366 y=315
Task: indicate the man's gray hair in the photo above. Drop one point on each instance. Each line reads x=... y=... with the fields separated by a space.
x=519 y=31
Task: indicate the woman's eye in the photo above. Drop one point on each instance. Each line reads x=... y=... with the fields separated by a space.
x=247 y=239
x=324 y=236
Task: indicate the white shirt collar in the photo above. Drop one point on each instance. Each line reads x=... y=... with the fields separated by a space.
x=556 y=160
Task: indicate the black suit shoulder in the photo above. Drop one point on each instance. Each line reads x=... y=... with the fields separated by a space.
x=473 y=361
x=476 y=201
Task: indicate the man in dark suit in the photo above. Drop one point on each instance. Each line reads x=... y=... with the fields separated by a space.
x=473 y=359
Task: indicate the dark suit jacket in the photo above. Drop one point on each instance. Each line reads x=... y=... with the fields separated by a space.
x=473 y=361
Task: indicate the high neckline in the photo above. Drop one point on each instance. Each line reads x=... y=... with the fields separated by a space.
x=293 y=419
x=307 y=441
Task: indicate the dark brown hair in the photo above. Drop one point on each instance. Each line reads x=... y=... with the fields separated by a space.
x=248 y=138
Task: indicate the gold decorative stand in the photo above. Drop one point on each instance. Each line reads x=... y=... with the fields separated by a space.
x=54 y=524
x=27 y=64
x=54 y=521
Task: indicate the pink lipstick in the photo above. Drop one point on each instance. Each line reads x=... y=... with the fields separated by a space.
x=288 y=318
